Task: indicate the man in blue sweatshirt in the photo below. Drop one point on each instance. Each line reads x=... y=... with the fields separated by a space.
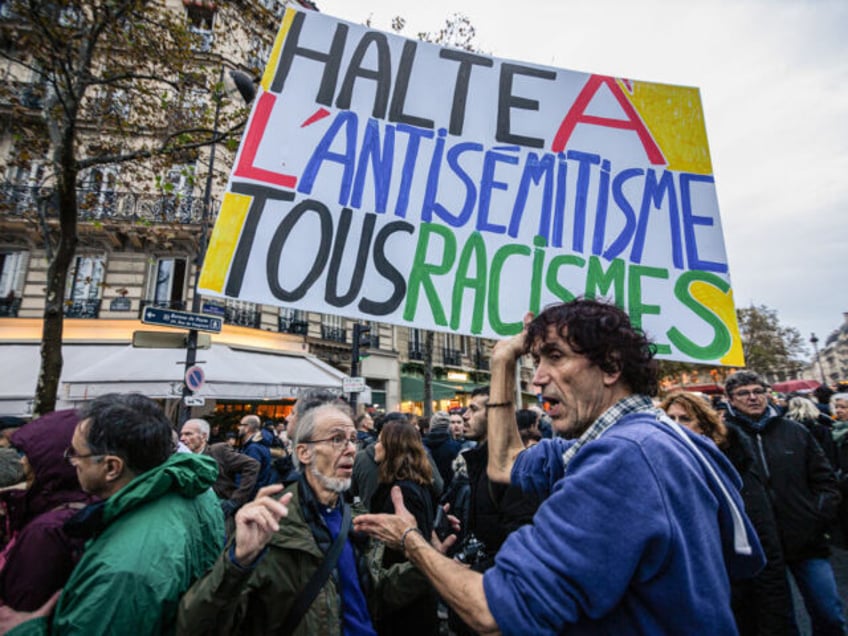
x=642 y=527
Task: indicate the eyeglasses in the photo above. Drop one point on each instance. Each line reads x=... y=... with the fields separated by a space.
x=744 y=395
x=339 y=440
x=71 y=453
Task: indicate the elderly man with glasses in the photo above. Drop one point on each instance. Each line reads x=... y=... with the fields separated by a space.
x=287 y=571
x=156 y=528
x=804 y=493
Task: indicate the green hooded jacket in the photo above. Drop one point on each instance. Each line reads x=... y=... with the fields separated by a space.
x=159 y=533
x=233 y=600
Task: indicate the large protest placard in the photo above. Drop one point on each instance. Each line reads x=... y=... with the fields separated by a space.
x=388 y=179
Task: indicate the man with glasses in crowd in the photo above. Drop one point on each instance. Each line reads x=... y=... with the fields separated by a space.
x=156 y=529
x=803 y=489
x=253 y=586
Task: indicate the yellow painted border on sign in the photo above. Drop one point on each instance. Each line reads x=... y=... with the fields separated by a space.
x=274 y=58
x=224 y=240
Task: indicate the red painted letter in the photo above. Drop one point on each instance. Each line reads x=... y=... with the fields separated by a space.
x=253 y=136
x=577 y=115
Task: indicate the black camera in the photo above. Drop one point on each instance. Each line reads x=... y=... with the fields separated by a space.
x=472 y=552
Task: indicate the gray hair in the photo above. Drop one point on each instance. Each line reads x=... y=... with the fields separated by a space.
x=312 y=398
x=802 y=409
x=837 y=396
x=202 y=424
x=742 y=378
x=439 y=419
x=308 y=421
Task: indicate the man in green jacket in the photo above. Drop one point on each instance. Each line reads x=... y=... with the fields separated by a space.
x=156 y=529
x=253 y=585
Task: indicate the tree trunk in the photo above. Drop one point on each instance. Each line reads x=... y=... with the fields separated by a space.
x=428 y=374
x=57 y=273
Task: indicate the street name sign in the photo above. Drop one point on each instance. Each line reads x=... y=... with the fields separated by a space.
x=182 y=319
x=353 y=385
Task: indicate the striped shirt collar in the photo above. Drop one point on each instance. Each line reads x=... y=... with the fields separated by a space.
x=625 y=406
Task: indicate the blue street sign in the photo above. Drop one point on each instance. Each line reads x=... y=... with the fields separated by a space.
x=181 y=319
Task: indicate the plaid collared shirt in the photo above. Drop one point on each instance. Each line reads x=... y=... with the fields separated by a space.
x=613 y=414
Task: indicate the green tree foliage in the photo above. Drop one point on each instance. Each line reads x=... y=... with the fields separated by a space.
x=768 y=345
x=103 y=82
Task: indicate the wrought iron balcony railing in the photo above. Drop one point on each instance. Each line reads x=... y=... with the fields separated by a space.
x=89 y=308
x=415 y=352
x=336 y=334
x=98 y=205
x=480 y=362
x=452 y=357
x=287 y=325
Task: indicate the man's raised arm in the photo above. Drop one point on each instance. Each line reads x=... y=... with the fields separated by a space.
x=503 y=438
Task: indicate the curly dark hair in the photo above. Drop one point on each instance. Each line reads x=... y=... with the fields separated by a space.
x=603 y=333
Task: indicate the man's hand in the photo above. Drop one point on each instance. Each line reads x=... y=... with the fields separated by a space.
x=511 y=349
x=9 y=618
x=257 y=521
x=387 y=528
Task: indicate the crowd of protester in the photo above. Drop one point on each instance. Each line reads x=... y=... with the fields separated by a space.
x=606 y=511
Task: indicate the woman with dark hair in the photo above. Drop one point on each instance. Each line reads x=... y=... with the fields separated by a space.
x=761 y=605
x=403 y=462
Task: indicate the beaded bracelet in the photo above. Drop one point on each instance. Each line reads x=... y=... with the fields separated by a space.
x=404 y=535
x=497 y=405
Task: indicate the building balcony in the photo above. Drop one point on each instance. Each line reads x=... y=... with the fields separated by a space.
x=99 y=205
x=9 y=307
x=480 y=362
x=415 y=352
x=89 y=308
x=452 y=357
x=336 y=334
x=297 y=327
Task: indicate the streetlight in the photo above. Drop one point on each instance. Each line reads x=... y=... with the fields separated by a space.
x=815 y=342
x=245 y=87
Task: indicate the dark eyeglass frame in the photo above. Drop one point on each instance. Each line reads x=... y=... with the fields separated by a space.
x=745 y=394
x=70 y=453
x=339 y=440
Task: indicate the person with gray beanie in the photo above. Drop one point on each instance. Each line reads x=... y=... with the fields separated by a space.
x=443 y=447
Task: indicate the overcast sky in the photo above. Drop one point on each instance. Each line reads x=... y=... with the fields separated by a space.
x=773 y=77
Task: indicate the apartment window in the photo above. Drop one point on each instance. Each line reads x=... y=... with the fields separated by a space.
x=293 y=321
x=83 y=289
x=332 y=328
x=97 y=196
x=177 y=203
x=416 y=344
x=168 y=283
x=12 y=272
x=201 y=19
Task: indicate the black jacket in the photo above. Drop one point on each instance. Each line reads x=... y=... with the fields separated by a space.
x=799 y=480
x=496 y=509
x=762 y=606
x=444 y=450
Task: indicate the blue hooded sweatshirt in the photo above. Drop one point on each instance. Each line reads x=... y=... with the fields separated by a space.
x=641 y=536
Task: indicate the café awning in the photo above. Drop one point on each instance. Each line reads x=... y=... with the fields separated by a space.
x=94 y=369
x=231 y=373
